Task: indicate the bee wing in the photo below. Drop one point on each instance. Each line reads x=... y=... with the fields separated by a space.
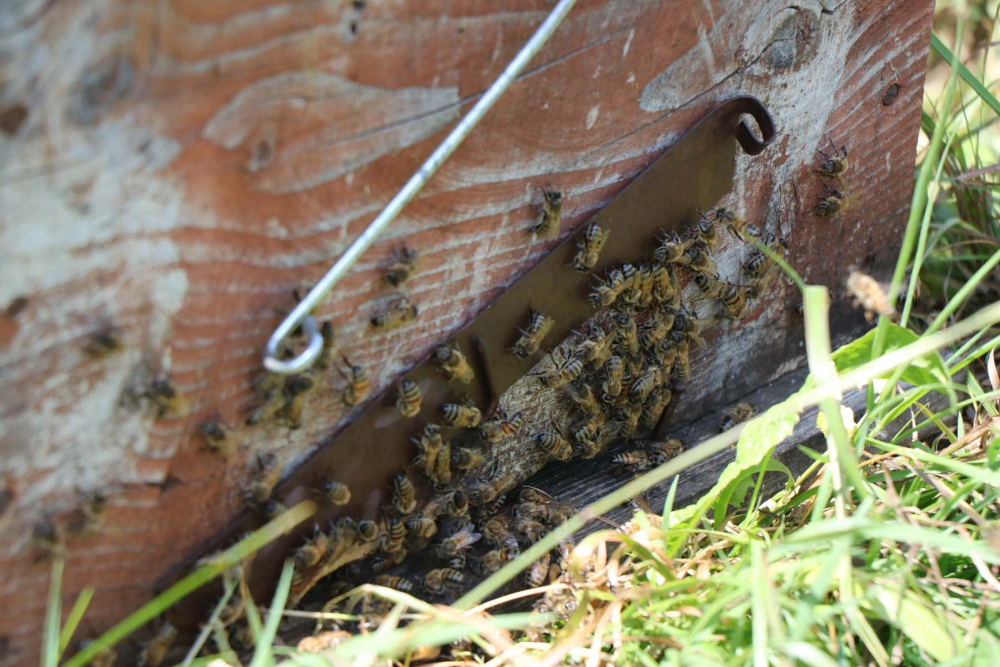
x=388 y=417
x=466 y=536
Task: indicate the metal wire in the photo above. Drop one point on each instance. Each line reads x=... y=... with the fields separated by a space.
x=301 y=314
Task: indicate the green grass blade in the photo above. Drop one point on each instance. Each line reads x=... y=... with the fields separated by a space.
x=985 y=95
x=73 y=620
x=971 y=284
x=53 y=612
x=262 y=653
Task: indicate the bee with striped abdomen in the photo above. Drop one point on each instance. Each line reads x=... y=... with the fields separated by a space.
x=264 y=479
x=531 y=338
x=494 y=429
x=454 y=364
x=671 y=249
x=429 y=444
x=329 y=349
x=496 y=558
x=404 y=494
x=421 y=525
x=336 y=493
x=736 y=224
x=463 y=458
x=561 y=372
x=396 y=316
x=835 y=202
x=550 y=218
x=403 y=268
x=462 y=416
x=645 y=383
x=408 y=398
x=437 y=580
x=740 y=413
x=614 y=371
x=357 y=384
x=537 y=572
x=396 y=583
x=553 y=444
x=590 y=247
x=368 y=530
x=833 y=166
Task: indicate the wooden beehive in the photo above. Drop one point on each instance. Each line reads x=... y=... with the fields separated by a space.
x=176 y=169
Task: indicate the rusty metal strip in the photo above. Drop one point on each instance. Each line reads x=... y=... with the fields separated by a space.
x=691 y=175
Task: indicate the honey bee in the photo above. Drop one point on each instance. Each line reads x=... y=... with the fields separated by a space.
x=310 y=553
x=398 y=315
x=494 y=430
x=645 y=383
x=590 y=247
x=323 y=641
x=636 y=460
x=396 y=583
x=104 y=342
x=553 y=444
x=47 y=538
x=585 y=439
x=551 y=512
x=156 y=649
x=682 y=366
x=329 y=349
x=666 y=356
x=272 y=404
x=835 y=202
x=393 y=536
x=710 y=286
x=368 y=530
x=537 y=572
x=630 y=421
x=664 y=451
x=462 y=539
x=336 y=493
x=627 y=333
x=464 y=416
x=496 y=558
x=442 y=466
x=561 y=372
x=550 y=219
x=690 y=326
x=671 y=249
x=404 y=498
x=213 y=433
x=530 y=340
x=653 y=410
x=734 y=300
x=454 y=364
x=458 y=561
x=614 y=371
x=584 y=399
x=429 y=444
x=870 y=295
x=707 y=232
x=700 y=260
x=357 y=384
x=273 y=509
x=93 y=511
x=165 y=400
x=437 y=580
x=409 y=398
x=834 y=166
x=736 y=224
x=464 y=458
x=531 y=529
x=263 y=482
x=421 y=525
x=740 y=413
x=665 y=289
x=403 y=268
x=295 y=391
x=497 y=532
x=381 y=563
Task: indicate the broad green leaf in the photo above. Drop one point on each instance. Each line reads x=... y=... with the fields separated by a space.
x=735 y=493
x=928 y=628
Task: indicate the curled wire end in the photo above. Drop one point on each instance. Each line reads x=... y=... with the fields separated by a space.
x=756 y=109
x=304 y=359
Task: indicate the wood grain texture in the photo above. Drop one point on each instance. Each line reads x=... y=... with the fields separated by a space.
x=177 y=167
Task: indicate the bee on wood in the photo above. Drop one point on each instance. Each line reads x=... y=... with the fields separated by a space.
x=627 y=333
x=310 y=553
x=740 y=413
x=403 y=268
x=462 y=539
x=629 y=421
x=707 y=232
x=736 y=224
x=264 y=479
x=666 y=356
x=690 y=326
x=156 y=649
x=382 y=563
x=671 y=249
x=442 y=465
x=454 y=364
x=665 y=288
x=711 y=287
x=295 y=392
x=537 y=572
x=357 y=384
x=532 y=529
x=336 y=493
x=393 y=536
x=497 y=532
x=165 y=400
x=500 y=425
x=408 y=398
x=530 y=339
x=698 y=259
x=273 y=402
x=458 y=561
x=496 y=558
x=396 y=583
x=637 y=461
x=834 y=166
x=398 y=315
x=590 y=247
x=458 y=504
x=464 y=458
x=584 y=399
x=404 y=494
x=682 y=366
x=870 y=295
x=734 y=300
x=368 y=530
x=553 y=444
x=216 y=438
x=614 y=371
x=463 y=416
x=549 y=511
x=421 y=525
x=835 y=202
x=585 y=438
x=653 y=410
x=429 y=444
x=561 y=372
x=323 y=641
x=104 y=342
x=329 y=350
x=645 y=383
x=595 y=349
x=47 y=538
x=437 y=580
x=664 y=451
x=93 y=512
x=608 y=291
x=550 y=218
x=656 y=330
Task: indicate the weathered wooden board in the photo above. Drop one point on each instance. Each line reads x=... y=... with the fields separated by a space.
x=176 y=168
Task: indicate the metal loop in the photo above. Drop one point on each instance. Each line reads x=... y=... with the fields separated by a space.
x=745 y=136
x=301 y=313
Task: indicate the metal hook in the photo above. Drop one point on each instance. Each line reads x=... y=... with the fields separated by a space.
x=301 y=314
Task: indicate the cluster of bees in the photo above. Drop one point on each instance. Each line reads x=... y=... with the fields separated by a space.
x=834 y=167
